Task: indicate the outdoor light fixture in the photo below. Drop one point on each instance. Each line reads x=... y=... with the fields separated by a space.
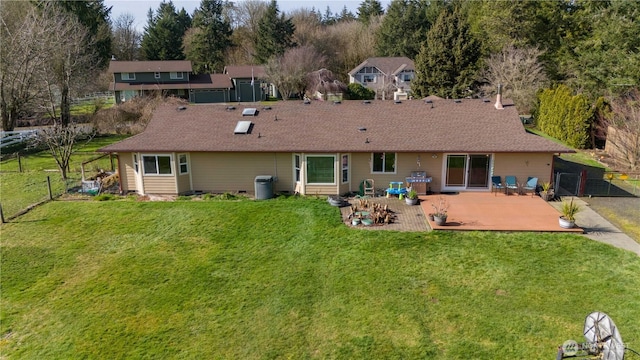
x=435 y=156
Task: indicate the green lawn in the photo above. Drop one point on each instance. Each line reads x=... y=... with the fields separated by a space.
x=284 y=278
x=19 y=190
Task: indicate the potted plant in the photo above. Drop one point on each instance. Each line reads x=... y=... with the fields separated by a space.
x=569 y=210
x=412 y=197
x=440 y=211
x=547 y=192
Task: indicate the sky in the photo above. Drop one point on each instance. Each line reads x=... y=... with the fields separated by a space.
x=140 y=8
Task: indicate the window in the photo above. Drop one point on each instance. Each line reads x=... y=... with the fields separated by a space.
x=175 y=75
x=136 y=165
x=157 y=164
x=320 y=169
x=368 y=78
x=156 y=75
x=297 y=167
x=384 y=163
x=182 y=163
x=127 y=76
x=406 y=77
x=345 y=168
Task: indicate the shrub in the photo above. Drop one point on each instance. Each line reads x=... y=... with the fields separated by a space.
x=358 y=92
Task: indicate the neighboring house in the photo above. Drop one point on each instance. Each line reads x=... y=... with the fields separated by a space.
x=331 y=148
x=248 y=83
x=175 y=78
x=384 y=75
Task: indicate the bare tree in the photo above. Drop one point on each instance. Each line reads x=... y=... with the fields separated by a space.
x=520 y=73
x=289 y=72
x=347 y=44
x=623 y=135
x=69 y=62
x=61 y=142
x=21 y=58
x=126 y=39
x=243 y=17
x=307 y=26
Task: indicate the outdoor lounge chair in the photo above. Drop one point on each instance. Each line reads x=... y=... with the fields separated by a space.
x=496 y=182
x=510 y=182
x=531 y=185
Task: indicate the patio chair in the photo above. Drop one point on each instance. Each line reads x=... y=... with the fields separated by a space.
x=368 y=188
x=531 y=185
x=510 y=182
x=496 y=182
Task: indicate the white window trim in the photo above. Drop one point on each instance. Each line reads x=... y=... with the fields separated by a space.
x=129 y=76
x=395 y=166
x=136 y=163
x=297 y=168
x=306 y=180
x=342 y=168
x=176 y=75
x=373 y=81
x=186 y=162
x=171 y=162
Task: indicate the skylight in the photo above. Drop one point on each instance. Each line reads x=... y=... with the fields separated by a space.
x=243 y=127
x=250 y=112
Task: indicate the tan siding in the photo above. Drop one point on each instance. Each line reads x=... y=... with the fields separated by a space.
x=127 y=173
x=233 y=172
x=321 y=190
x=406 y=163
x=184 y=185
x=523 y=165
x=159 y=185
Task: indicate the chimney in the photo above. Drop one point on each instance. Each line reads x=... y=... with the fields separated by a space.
x=498 y=103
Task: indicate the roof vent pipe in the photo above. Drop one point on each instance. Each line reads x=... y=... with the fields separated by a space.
x=498 y=103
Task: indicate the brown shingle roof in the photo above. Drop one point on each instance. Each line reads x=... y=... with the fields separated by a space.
x=150 y=66
x=202 y=81
x=244 y=71
x=411 y=126
x=387 y=65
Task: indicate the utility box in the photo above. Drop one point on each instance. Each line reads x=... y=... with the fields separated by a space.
x=264 y=187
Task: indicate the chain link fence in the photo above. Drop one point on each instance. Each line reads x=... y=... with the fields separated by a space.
x=609 y=184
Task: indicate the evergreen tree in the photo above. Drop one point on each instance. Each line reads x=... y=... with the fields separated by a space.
x=447 y=63
x=604 y=57
x=162 y=39
x=368 y=9
x=564 y=116
x=403 y=28
x=211 y=37
x=345 y=15
x=274 y=34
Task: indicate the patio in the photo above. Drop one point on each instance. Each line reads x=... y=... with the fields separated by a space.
x=471 y=211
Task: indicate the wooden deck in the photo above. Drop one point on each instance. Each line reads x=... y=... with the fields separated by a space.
x=471 y=211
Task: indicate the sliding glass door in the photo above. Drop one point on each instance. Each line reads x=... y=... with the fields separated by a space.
x=467 y=171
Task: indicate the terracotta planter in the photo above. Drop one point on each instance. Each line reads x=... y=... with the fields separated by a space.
x=565 y=223
x=440 y=220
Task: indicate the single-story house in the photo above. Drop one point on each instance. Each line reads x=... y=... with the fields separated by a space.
x=329 y=148
x=175 y=77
